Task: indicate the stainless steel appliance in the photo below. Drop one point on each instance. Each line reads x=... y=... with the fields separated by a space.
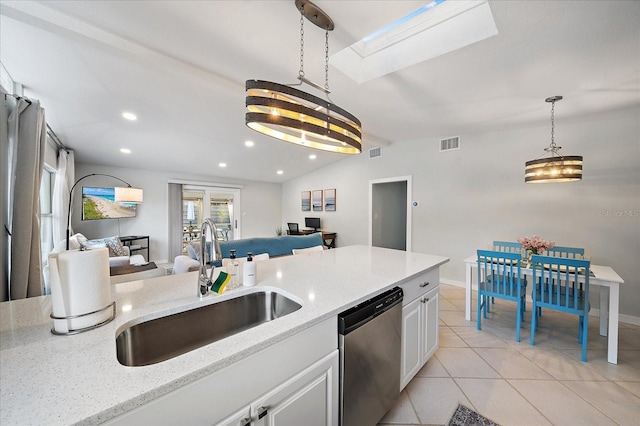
x=369 y=337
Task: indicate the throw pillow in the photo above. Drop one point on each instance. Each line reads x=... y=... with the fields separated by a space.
x=92 y=244
x=115 y=246
x=193 y=250
x=76 y=241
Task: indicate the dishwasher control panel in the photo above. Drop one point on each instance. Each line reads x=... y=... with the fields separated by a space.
x=368 y=310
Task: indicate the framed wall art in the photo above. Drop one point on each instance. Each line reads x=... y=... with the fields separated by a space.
x=306 y=201
x=330 y=200
x=316 y=198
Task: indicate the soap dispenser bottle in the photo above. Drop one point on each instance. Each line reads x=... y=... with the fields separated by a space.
x=233 y=268
x=249 y=272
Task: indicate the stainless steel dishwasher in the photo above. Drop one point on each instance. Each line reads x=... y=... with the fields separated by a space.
x=369 y=338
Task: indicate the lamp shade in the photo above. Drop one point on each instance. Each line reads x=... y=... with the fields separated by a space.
x=291 y=115
x=128 y=195
x=554 y=169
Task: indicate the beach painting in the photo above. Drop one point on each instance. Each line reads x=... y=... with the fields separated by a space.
x=98 y=203
x=329 y=200
x=306 y=201
x=316 y=197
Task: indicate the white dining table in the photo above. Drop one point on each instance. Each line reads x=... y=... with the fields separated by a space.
x=604 y=277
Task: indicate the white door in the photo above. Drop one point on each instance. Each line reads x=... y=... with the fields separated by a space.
x=220 y=204
x=390 y=213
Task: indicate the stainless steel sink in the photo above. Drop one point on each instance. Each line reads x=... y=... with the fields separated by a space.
x=163 y=338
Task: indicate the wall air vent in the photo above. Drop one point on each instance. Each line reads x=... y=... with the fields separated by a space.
x=450 y=143
x=375 y=152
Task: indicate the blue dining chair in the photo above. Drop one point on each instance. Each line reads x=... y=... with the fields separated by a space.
x=499 y=277
x=568 y=252
x=509 y=247
x=561 y=284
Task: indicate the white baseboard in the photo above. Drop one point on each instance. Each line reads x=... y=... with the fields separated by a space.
x=454 y=283
x=627 y=319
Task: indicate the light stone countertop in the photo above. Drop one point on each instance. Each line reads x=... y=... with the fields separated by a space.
x=62 y=380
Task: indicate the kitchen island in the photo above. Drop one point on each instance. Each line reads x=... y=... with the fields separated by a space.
x=47 y=379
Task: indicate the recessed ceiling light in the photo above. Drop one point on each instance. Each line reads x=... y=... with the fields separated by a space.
x=248 y=143
x=129 y=116
x=312 y=157
x=279 y=172
x=125 y=150
x=222 y=164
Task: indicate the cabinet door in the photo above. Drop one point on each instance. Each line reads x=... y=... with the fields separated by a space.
x=411 y=341
x=311 y=395
x=430 y=307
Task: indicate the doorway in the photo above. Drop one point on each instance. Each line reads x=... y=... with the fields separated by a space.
x=389 y=213
x=220 y=204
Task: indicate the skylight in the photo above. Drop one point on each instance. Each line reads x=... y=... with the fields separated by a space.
x=430 y=31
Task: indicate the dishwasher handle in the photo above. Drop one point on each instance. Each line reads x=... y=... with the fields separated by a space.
x=364 y=312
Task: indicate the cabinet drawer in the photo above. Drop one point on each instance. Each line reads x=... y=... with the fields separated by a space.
x=419 y=285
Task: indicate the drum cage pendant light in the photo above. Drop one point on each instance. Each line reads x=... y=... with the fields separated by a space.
x=292 y=115
x=557 y=168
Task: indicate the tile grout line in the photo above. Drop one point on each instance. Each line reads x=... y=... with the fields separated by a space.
x=504 y=379
x=555 y=379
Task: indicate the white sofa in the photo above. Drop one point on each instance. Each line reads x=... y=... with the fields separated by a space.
x=78 y=240
x=118 y=254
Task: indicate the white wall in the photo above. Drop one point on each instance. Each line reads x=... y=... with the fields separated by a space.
x=474 y=195
x=261 y=205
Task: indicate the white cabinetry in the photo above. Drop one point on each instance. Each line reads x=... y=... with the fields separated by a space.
x=289 y=380
x=309 y=395
x=419 y=323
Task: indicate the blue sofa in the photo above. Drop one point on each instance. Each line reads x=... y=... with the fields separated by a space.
x=274 y=246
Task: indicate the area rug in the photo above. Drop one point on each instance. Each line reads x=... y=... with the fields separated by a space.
x=464 y=416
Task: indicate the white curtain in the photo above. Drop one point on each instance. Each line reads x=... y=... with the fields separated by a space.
x=6 y=107
x=27 y=139
x=65 y=176
x=175 y=220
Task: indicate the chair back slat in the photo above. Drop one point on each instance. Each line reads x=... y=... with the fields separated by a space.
x=567 y=252
x=507 y=246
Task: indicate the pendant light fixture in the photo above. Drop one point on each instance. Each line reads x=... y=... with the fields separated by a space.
x=557 y=168
x=292 y=115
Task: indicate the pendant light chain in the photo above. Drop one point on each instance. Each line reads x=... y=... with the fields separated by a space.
x=326 y=60
x=301 y=71
x=553 y=105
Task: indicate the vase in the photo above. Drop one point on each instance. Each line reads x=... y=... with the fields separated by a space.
x=530 y=254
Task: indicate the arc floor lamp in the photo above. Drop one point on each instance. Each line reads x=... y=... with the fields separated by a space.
x=126 y=194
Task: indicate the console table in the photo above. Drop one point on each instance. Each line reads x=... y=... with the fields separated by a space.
x=142 y=245
x=328 y=238
x=131 y=269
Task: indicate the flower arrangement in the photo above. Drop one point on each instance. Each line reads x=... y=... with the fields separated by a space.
x=535 y=244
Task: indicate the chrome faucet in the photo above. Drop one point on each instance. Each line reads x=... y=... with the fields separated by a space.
x=204 y=281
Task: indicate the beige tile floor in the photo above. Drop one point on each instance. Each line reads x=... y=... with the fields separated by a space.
x=518 y=384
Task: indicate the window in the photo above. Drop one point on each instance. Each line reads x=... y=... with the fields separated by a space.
x=46 y=212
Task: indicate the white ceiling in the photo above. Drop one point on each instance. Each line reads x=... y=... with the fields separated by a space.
x=181 y=67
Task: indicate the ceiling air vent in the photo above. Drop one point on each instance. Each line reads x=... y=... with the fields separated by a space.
x=374 y=152
x=450 y=143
